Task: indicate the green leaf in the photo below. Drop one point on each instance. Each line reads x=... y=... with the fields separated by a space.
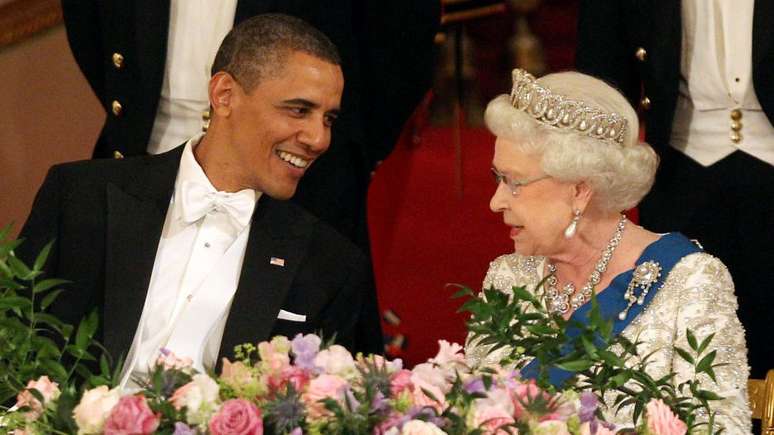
x=86 y=330
x=706 y=362
x=8 y=283
x=40 y=261
x=705 y=343
x=708 y=395
x=52 y=321
x=691 y=340
x=575 y=366
x=49 y=299
x=47 y=284
x=589 y=347
x=54 y=369
x=14 y=302
x=19 y=269
x=685 y=355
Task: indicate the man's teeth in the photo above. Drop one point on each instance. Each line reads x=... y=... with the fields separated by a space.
x=293 y=160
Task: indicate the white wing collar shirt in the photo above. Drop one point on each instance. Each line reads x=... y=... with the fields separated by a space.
x=195 y=273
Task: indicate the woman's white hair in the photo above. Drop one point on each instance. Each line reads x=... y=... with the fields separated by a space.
x=619 y=174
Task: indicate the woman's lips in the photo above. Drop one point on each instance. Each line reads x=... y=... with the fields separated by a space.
x=515 y=231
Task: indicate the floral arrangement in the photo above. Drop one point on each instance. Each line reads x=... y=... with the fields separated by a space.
x=303 y=386
x=306 y=386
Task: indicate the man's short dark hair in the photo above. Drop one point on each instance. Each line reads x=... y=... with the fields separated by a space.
x=258 y=47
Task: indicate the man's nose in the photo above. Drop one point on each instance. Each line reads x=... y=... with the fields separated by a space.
x=315 y=135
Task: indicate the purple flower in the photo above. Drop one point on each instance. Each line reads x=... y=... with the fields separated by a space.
x=183 y=429
x=380 y=403
x=351 y=400
x=305 y=349
x=475 y=386
x=297 y=431
x=588 y=402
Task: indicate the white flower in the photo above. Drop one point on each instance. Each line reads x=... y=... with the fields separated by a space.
x=336 y=360
x=199 y=397
x=94 y=408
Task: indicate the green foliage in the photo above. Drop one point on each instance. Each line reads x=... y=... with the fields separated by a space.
x=602 y=362
x=34 y=343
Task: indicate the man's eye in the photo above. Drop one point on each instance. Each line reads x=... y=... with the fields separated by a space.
x=298 y=111
x=330 y=119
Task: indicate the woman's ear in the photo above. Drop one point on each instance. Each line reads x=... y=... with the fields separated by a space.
x=581 y=195
x=222 y=89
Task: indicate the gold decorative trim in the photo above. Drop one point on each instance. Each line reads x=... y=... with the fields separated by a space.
x=471 y=14
x=20 y=19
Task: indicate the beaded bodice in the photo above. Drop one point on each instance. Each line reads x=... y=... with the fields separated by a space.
x=697 y=294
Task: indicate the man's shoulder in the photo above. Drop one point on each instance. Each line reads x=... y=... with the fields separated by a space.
x=95 y=172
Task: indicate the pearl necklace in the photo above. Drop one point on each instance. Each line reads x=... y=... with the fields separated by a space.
x=560 y=301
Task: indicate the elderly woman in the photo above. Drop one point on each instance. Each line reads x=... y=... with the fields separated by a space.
x=567 y=162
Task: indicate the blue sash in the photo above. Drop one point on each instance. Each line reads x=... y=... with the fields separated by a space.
x=666 y=251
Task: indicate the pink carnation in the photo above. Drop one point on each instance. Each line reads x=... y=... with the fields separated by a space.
x=400 y=381
x=322 y=387
x=662 y=421
x=523 y=394
x=168 y=360
x=237 y=417
x=49 y=390
x=131 y=416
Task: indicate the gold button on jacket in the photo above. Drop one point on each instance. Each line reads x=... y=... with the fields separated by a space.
x=116 y=107
x=118 y=60
x=641 y=54
x=645 y=103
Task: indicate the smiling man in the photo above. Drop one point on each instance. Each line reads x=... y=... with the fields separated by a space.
x=195 y=250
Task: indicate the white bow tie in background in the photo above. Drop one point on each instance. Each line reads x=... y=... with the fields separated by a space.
x=198 y=200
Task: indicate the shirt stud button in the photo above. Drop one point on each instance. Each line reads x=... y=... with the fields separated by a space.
x=206 y=244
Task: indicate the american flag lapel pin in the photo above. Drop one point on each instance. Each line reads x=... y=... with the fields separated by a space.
x=275 y=261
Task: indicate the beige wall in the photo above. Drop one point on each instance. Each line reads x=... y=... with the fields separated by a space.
x=48 y=115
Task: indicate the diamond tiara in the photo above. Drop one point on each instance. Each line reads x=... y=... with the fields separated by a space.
x=557 y=111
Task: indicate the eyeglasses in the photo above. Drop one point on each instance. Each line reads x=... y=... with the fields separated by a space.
x=514 y=185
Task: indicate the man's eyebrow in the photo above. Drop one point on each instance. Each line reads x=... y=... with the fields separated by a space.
x=301 y=102
x=310 y=105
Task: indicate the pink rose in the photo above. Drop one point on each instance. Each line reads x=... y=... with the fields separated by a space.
x=322 y=387
x=662 y=421
x=237 y=417
x=49 y=390
x=131 y=416
x=400 y=381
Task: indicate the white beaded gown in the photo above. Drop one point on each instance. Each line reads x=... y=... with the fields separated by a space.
x=697 y=293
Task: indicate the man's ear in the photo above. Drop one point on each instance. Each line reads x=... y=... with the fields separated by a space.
x=222 y=88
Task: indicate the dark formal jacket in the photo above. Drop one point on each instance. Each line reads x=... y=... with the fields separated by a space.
x=387 y=60
x=635 y=45
x=107 y=216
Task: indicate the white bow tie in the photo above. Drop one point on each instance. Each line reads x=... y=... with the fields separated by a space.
x=198 y=200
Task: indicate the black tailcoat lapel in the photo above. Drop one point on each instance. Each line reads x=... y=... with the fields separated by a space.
x=135 y=211
x=278 y=230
